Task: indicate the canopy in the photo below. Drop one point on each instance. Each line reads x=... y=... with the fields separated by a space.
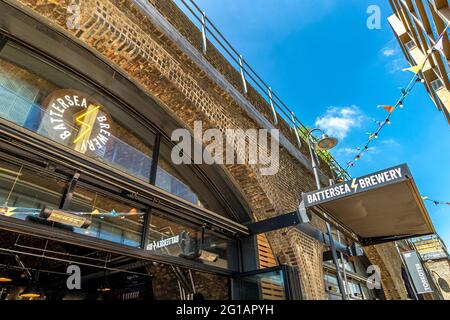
x=380 y=207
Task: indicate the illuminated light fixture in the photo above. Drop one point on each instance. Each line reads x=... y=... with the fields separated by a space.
x=65 y=217
x=104 y=285
x=208 y=256
x=5 y=276
x=32 y=291
x=419 y=79
x=326 y=143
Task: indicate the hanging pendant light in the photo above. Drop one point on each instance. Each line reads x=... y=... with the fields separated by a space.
x=104 y=285
x=31 y=291
x=5 y=276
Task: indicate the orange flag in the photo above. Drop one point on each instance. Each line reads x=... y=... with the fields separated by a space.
x=389 y=109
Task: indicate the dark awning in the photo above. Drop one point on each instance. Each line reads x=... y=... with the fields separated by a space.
x=380 y=207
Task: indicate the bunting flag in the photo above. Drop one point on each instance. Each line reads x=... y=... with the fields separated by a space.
x=439 y=46
x=436 y=202
x=95 y=212
x=391 y=108
x=413 y=69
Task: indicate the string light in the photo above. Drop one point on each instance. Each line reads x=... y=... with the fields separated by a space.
x=405 y=92
x=436 y=202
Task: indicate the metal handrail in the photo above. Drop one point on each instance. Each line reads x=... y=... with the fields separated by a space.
x=207 y=27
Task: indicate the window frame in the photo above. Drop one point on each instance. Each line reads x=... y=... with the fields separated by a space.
x=160 y=137
x=42 y=231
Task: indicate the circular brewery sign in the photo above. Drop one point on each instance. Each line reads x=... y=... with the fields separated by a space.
x=76 y=120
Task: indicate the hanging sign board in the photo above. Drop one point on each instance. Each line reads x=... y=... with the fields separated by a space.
x=417 y=272
x=357 y=185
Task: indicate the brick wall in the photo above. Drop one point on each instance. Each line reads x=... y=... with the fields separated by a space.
x=440 y=269
x=122 y=34
x=385 y=256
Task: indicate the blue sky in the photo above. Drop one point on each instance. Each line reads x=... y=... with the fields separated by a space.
x=319 y=56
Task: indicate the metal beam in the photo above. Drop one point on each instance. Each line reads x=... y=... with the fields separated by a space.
x=295 y=219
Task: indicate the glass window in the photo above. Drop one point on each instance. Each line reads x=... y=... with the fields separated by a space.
x=108 y=218
x=436 y=84
x=174 y=178
x=176 y=238
x=25 y=193
x=262 y=286
x=184 y=181
x=44 y=99
x=36 y=197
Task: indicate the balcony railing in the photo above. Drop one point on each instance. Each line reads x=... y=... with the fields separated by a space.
x=210 y=33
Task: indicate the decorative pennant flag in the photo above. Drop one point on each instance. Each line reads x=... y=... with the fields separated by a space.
x=439 y=46
x=413 y=69
x=389 y=109
x=379 y=123
x=424 y=198
x=95 y=212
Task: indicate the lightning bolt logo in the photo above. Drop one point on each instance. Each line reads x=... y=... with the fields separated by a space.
x=84 y=124
x=354 y=185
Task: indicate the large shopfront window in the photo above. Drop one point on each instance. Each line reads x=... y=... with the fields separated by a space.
x=59 y=106
x=110 y=218
x=25 y=193
x=49 y=105
x=180 y=239
x=37 y=197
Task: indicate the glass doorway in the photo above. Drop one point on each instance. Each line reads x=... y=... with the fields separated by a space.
x=278 y=283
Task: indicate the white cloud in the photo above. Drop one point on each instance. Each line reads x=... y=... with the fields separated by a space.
x=388 y=52
x=391 y=48
x=338 y=121
x=396 y=61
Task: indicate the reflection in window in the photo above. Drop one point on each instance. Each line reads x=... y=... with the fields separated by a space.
x=168 y=179
x=33 y=95
x=108 y=218
x=170 y=237
x=263 y=286
x=181 y=180
x=25 y=193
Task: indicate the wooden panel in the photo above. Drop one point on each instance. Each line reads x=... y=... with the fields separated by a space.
x=269 y=289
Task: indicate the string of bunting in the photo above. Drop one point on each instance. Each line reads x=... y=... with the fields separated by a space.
x=436 y=202
x=390 y=109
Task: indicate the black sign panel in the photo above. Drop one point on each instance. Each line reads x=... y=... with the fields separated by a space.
x=357 y=185
x=417 y=272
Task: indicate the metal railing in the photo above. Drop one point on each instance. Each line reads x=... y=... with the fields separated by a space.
x=248 y=75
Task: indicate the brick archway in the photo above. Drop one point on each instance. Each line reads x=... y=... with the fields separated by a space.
x=120 y=33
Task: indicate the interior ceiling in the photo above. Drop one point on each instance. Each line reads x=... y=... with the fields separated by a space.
x=57 y=255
